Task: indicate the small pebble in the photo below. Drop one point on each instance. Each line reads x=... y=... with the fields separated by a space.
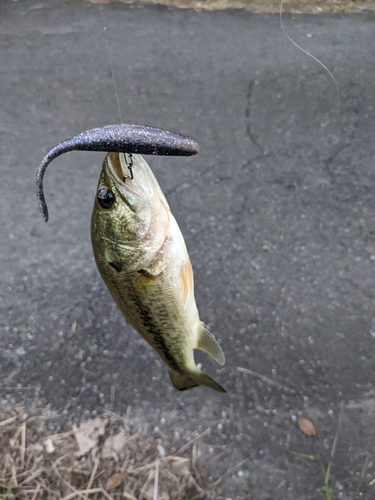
x=161 y=450
x=49 y=445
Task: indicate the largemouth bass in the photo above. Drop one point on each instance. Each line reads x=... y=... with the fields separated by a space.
x=138 y=246
x=142 y=257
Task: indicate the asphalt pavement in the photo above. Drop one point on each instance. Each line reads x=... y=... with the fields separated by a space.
x=277 y=209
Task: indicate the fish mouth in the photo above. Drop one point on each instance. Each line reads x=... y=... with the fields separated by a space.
x=121 y=164
x=117 y=170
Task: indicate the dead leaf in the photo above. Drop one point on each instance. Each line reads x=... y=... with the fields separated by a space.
x=114 y=444
x=114 y=481
x=88 y=433
x=306 y=426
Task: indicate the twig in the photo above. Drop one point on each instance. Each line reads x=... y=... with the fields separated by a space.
x=229 y=470
x=194 y=455
x=88 y=492
x=266 y=379
x=144 y=487
x=14 y=475
x=36 y=492
x=8 y=421
x=23 y=444
x=334 y=445
x=75 y=491
x=172 y=458
x=15 y=437
x=156 y=480
x=8 y=388
x=364 y=469
x=124 y=420
x=128 y=495
x=94 y=469
x=107 y=495
x=143 y=468
x=127 y=416
x=196 y=485
x=12 y=374
x=183 y=448
x=33 y=476
x=113 y=392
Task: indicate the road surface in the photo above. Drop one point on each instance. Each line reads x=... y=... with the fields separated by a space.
x=277 y=210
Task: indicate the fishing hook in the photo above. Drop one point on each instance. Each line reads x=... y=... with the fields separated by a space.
x=122 y=138
x=129 y=164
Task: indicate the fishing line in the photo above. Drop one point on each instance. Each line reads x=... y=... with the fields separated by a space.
x=305 y=51
x=128 y=157
x=111 y=66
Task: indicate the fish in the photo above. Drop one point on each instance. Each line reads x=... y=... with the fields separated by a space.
x=142 y=257
x=138 y=247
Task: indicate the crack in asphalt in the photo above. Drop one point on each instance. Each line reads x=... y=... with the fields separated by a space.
x=327 y=162
x=331 y=159
x=248 y=116
x=349 y=137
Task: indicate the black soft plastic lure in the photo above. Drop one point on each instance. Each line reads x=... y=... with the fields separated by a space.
x=122 y=138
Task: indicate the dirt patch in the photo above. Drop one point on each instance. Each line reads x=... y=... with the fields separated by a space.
x=97 y=459
x=264 y=6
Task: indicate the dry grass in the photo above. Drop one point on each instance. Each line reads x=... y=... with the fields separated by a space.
x=96 y=460
x=261 y=6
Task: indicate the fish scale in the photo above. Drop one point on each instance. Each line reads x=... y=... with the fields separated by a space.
x=150 y=316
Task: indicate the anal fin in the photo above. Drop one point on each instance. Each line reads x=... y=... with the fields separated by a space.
x=207 y=343
x=182 y=382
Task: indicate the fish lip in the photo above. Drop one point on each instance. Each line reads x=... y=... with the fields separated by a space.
x=111 y=168
x=119 y=184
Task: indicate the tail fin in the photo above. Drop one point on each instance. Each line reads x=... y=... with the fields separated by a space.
x=183 y=382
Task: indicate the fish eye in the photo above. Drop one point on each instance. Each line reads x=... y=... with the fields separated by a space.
x=105 y=198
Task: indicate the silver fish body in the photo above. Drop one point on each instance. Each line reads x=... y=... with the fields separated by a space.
x=142 y=257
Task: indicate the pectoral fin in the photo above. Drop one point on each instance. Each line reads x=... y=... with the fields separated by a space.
x=207 y=343
x=187 y=281
x=145 y=282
